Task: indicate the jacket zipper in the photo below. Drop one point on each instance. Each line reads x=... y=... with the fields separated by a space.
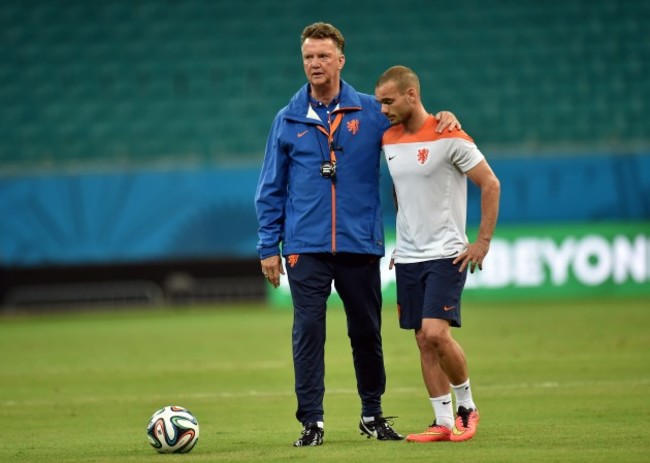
x=330 y=139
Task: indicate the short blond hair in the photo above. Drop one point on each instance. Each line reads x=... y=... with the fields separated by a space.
x=403 y=77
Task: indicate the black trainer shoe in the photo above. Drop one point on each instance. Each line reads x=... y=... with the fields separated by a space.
x=380 y=428
x=311 y=435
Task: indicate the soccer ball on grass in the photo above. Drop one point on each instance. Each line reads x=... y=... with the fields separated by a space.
x=173 y=429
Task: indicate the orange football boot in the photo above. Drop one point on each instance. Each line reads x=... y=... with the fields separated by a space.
x=467 y=421
x=434 y=433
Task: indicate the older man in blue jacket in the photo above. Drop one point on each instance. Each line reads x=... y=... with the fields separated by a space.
x=318 y=199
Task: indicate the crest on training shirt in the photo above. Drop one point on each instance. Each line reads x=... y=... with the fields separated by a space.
x=423 y=155
x=353 y=126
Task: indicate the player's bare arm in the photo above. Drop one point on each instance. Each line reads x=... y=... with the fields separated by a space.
x=483 y=177
x=392 y=259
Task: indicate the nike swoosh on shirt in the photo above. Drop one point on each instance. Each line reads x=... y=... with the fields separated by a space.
x=447 y=309
x=302 y=133
x=390 y=159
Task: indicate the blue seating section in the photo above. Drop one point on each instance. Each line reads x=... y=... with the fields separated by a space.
x=198 y=81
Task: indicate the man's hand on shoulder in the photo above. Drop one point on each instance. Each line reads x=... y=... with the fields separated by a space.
x=447 y=120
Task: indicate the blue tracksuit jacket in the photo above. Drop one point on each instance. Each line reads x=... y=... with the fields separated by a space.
x=299 y=208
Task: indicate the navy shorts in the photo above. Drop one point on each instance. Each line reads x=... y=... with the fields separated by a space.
x=429 y=289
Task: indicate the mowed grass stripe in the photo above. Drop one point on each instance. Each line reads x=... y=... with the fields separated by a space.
x=562 y=381
x=330 y=391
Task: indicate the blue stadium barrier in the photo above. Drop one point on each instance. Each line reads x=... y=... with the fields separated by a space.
x=165 y=215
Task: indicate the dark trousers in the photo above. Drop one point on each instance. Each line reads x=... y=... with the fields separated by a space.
x=357 y=280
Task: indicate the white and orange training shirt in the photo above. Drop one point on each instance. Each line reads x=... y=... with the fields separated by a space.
x=428 y=171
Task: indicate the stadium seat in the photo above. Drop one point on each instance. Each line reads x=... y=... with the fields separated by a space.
x=89 y=83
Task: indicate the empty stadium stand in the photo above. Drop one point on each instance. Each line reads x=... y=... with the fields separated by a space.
x=131 y=132
x=138 y=83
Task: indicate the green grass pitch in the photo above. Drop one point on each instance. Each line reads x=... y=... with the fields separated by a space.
x=554 y=381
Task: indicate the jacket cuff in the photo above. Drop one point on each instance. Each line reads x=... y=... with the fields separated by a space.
x=268 y=252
